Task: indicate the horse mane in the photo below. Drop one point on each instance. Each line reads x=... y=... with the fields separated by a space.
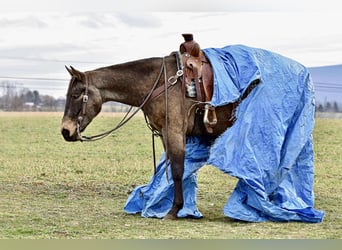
x=148 y=63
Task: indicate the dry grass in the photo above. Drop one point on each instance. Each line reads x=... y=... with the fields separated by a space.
x=53 y=189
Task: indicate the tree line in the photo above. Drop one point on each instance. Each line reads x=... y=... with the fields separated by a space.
x=328 y=107
x=13 y=98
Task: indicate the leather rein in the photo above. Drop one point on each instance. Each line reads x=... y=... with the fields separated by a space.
x=154 y=93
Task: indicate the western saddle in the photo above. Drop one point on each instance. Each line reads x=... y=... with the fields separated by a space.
x=198 y=79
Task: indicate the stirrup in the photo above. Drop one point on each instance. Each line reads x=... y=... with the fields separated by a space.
x=209 y=118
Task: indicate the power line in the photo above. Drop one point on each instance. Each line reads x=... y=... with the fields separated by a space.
x=328 y=91
x=51 y=60
x=328 y=87
x=319 y=86
x=316 y=84
x=328 y=83
x=33 y=78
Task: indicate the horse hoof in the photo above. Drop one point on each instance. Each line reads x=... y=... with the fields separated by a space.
x=170 y=217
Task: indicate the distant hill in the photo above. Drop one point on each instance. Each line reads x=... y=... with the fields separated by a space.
x=328 y=83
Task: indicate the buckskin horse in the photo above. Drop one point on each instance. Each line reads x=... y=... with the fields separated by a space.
x=157 y=86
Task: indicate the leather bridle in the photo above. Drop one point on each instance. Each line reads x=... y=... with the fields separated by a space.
x=154 y=93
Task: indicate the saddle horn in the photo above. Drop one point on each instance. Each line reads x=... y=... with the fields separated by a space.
x=189 y=45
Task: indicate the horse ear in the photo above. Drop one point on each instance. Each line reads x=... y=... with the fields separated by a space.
x=75 y=73
x=69 y=70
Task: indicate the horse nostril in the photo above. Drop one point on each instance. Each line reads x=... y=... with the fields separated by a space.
x=66 y=134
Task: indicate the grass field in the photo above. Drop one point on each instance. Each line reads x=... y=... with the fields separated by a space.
x=53 y=189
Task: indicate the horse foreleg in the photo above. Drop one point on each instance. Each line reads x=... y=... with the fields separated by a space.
x=177 y=170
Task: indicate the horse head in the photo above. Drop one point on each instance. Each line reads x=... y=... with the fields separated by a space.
x=83 y=103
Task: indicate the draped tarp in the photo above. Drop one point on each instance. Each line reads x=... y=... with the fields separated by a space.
x=155 y=199
x=269 y=148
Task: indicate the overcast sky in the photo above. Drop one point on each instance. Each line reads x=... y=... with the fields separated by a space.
x=39 y=37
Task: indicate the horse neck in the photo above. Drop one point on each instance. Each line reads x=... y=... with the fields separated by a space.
x=127 y=83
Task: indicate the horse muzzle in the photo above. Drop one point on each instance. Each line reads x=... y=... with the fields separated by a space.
x=69 y=131
x=68 y=137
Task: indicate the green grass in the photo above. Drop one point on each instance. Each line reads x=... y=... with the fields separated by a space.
x=53 y=189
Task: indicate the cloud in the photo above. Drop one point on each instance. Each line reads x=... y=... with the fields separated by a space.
x=90 y=23
x=140 y=20
x=25 y=22
x=94 y=20
x=175 y=5
x=36 y=51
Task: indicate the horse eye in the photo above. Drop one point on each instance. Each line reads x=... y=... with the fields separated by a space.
x=77 y=93
x=76 y=96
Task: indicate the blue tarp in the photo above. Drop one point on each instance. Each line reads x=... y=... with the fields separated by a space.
x=269 y=148
x=155 y=199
